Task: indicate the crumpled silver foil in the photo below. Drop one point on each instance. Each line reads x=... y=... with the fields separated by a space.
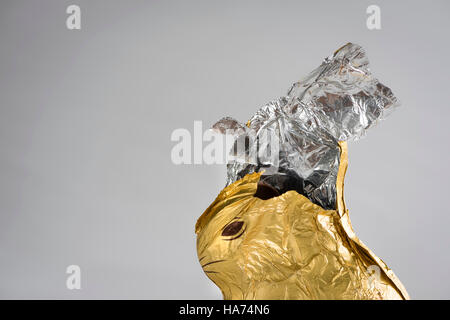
x=295 y=139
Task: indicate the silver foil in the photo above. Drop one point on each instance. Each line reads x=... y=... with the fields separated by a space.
x=295 y=139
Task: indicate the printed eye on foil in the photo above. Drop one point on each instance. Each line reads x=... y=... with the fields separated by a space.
x=280 y=229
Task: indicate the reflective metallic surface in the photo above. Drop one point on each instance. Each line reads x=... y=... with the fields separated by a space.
x=286 y=247
x=294 y=139
x=280 y=229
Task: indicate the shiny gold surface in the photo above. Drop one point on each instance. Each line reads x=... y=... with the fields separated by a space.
x=287 y=247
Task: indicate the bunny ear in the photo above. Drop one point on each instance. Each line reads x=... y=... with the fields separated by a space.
x=228 y=125
x=341 y=96
x=338 y=101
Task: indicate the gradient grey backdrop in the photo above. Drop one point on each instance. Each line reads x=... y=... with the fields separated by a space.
x=86 y=116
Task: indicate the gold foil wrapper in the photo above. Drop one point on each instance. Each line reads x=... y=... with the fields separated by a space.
x=287 y=247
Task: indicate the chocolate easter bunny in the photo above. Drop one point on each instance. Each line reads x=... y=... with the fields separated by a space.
x=280 y=229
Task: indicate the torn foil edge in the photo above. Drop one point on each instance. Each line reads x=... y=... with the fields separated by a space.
x=338 y=101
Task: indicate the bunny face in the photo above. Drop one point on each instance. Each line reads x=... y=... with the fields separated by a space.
x=284 y=247
x=253 y=248
x=240 y=245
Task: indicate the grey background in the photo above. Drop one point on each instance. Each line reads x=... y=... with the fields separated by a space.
x=86 y=116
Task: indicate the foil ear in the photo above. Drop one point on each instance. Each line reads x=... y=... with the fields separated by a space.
x=296 y=136
x=228 y=125
x=341 y=96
